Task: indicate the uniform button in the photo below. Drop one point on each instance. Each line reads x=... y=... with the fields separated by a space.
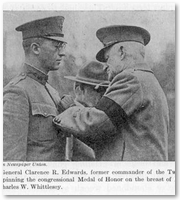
x=23 y=74
x=45 y=114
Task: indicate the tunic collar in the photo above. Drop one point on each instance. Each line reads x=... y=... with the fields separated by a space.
x=35 y=73
x=140 y=66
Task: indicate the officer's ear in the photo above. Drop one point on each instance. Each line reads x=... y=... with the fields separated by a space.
x=35 y=48
x=122 y=52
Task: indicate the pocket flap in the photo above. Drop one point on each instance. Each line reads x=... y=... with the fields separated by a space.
x=44 y=109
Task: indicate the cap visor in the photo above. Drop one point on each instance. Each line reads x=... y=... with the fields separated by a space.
x=61 y=39
x=100 y=55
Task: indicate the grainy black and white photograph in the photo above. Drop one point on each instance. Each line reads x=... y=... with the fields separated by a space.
x=89 y=85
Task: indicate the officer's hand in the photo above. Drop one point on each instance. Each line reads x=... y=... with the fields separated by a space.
x=56 y=122
x=67 y=101
x=57 y=119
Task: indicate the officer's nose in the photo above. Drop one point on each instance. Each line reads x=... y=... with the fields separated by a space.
x=61 y=49
x=61 y=52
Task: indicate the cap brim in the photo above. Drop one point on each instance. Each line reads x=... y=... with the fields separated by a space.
x=100 y=55
x=73 y=78
x=60 y=39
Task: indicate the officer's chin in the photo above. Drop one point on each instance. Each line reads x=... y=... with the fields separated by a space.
x=56 y=67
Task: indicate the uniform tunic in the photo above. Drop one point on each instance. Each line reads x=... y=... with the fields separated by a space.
x=30 y=104
x=130 y=122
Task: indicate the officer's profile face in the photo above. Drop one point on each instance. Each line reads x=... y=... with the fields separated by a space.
x=113 y=60
x=51 y=54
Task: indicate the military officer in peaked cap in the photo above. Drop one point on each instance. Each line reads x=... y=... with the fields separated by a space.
x=30 y=103
x=134 y=105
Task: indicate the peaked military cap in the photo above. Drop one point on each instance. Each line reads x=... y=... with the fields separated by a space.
x=92 y=74
x=113 y=34
x=50 y=28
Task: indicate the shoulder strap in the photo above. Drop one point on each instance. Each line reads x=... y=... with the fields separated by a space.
x=17 y=79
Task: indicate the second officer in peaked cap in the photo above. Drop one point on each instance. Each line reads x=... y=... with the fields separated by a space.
x=134 y=107
x=111 y=35
x=30 y=102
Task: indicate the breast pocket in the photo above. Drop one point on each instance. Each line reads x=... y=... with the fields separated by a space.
x=41 y=126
